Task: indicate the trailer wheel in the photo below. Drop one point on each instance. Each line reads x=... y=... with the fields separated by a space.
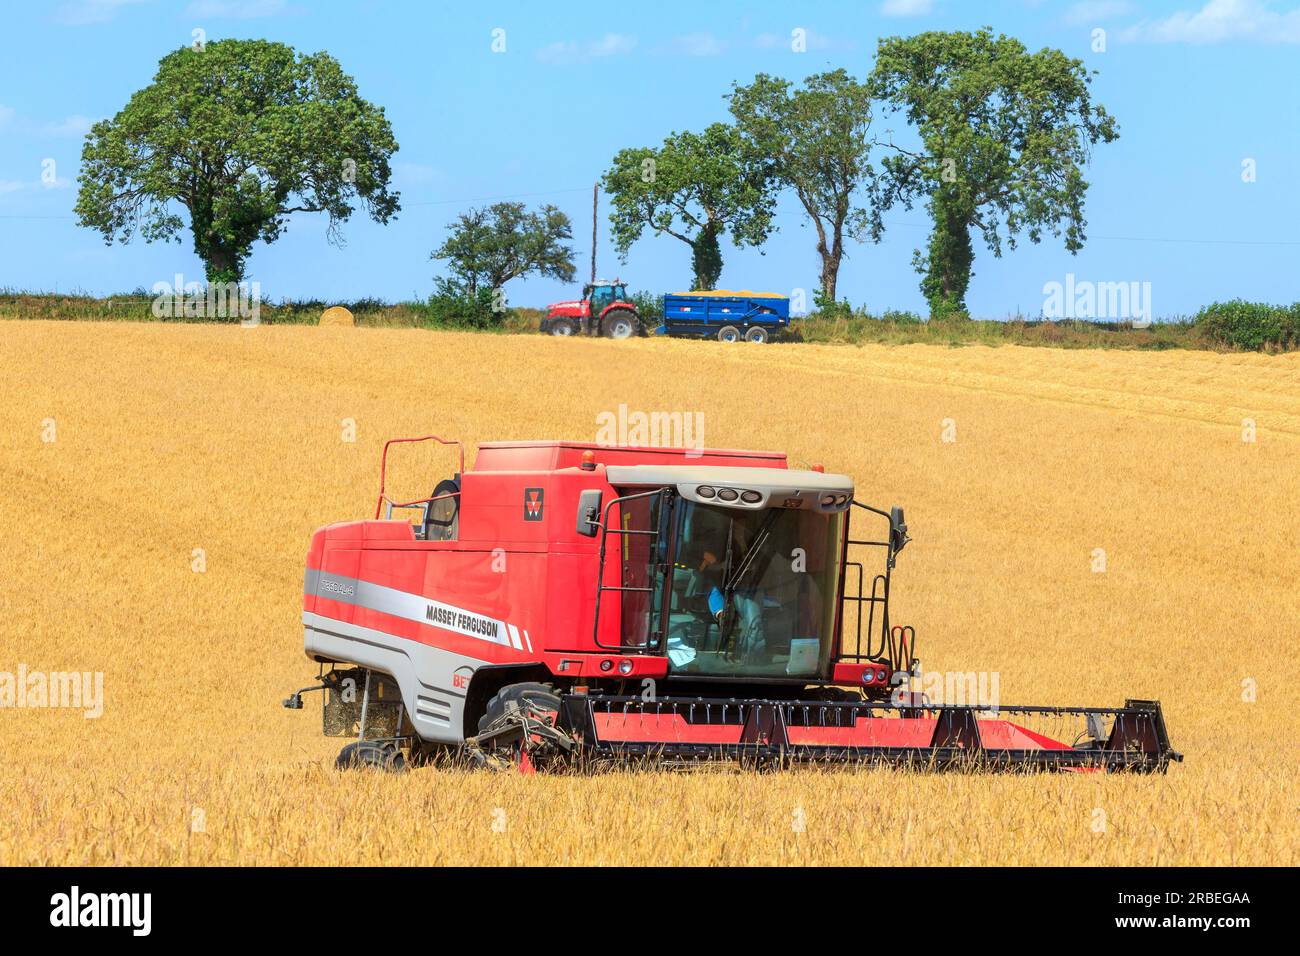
x=757 y=334
x=367 y=753
x=619 y=324
x=728 y=333
x=561 y=327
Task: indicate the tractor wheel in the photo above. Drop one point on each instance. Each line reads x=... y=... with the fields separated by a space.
x=562 y=327
x=619 y=324
x=367 y=753
x=756 y=334
x=728 y=333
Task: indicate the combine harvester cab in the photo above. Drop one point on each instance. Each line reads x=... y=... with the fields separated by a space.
x=605 y=604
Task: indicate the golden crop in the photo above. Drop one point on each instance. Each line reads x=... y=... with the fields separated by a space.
x=160 y=483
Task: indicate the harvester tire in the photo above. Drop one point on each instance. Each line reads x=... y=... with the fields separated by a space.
x=619 y=324
x=728 y=333
x=365 y=753
x=540 y=695
x=561 y=327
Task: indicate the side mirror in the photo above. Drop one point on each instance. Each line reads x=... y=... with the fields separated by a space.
x=897 y=530
x=589 y=502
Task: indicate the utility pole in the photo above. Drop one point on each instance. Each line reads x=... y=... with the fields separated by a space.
x=595 y=198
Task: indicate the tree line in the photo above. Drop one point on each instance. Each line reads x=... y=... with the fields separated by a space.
x=1003 y=135
x=242 y=134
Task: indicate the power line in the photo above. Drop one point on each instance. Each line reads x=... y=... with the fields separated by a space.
x=1182 y=240
x=405 y=205
x=548 y=192
x=1204 y=242
x=1177 y=239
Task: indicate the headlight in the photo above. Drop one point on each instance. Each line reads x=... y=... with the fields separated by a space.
x=704 y=491
x=842 y=499
x=606 y=665
x=728 y=494
x=751 y=497
x=828 y=499
x=625 y=666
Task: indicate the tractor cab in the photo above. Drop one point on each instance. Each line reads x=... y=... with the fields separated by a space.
x=601 y=295
x=738 y=573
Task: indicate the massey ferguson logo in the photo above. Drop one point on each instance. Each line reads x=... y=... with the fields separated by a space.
x=533 y=504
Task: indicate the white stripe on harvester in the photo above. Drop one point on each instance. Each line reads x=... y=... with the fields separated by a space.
x=414 y=607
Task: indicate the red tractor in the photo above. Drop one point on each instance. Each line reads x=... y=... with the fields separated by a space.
x=569 y=601
x=604 y=309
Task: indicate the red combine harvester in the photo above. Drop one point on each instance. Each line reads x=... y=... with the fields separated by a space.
x=571 y=601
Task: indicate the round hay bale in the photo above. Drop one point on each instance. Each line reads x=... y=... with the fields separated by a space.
x=337 y=315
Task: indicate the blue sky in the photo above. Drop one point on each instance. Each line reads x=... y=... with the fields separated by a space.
x=1198 y=88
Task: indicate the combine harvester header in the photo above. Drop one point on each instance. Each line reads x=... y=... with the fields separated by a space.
x=574 y=602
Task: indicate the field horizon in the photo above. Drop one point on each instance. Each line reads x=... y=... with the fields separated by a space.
x=163 y=481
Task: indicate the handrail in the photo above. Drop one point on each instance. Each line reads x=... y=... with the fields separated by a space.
x=601 y=586
x=879 y=596
x=411 y=504
x=383 y=471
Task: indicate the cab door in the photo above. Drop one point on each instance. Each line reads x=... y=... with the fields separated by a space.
x=635 y=555
x=602 y=296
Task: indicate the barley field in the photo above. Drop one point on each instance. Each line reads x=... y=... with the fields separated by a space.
x=161 y=483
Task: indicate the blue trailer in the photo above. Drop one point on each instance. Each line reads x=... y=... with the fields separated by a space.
x=725 y=316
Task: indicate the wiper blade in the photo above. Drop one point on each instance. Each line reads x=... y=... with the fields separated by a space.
x=747 y=559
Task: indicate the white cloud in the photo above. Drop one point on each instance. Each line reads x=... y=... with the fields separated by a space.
x=82 y=12
x=568 y=51
x=235 y=9
x=1089 y=12
x=612 y=44
x=906 y=8
x=75 y=125
x=698 y=44
x=1221 y=21
x=22 y=185
x=560 y=52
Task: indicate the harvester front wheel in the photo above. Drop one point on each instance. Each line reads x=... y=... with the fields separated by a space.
x=541 y=696
x=561 y=327
x=527 y=698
